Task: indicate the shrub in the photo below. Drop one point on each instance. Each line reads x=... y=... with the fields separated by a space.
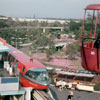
x=97 y=87
x=51 y=73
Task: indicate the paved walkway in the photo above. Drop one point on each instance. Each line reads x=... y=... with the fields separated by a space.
x=78 y=95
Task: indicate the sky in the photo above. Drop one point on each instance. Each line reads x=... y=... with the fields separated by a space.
x=45 y=8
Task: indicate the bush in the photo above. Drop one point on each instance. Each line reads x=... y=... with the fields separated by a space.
x=51 y=73
x=97 y=87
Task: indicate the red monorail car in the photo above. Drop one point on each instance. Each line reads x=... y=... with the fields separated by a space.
x=31 y=72
x=90 y=43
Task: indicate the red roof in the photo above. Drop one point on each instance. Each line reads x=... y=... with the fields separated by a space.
x=24 y=59
x=93 y=7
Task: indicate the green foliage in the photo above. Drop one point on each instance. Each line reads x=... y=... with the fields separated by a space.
x=26 y=35
x=87 y=26
x=35 y=35
x=97 y=87
x=73 y=26
x=51 y=73
x=3 y=24
x=56 y=24
x=42 y=41
x=50 y=51
x=43 y=24
x=66 y=30
x=90 y=23
x=70 y=36
x=72 y=49
x=58 y=36
x=77 y=34
x=89 y=17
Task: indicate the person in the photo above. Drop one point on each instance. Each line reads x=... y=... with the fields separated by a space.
x=70 y=95
x=59 y=84
x=55 y=80
x=97 y=42
x=63 y=84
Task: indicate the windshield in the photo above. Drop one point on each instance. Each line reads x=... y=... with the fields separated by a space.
x=38 y=74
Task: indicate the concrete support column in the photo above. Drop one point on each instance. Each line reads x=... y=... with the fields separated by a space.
x=44 y=30
x=28 y=93
x=62 y=29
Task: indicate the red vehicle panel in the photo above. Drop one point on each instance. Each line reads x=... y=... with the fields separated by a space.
x=32 y=73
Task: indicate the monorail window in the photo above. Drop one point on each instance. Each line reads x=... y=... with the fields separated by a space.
x=16 y=64
x=38 y=74
x=10 y=59
x=12 y=62
x=23 y=69
x=0 y=56
x=5 y=56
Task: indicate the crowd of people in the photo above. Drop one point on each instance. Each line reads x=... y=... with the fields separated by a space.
x=62 y=85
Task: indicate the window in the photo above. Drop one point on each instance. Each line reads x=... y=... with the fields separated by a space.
x=0 y=56
x=23 y=69
x=5 y=56
x=10 y=59
x=38 y=74
x=13 y=59
x=16 y=64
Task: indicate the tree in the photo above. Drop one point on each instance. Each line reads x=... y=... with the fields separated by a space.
x=50 y=51
x=97 y=87
x=44 y=24
x=42 y=42
x=72 y=49
x=51 y=74
x=56 y=24
x=77 y=34
x=74 y=26
x=3 y=24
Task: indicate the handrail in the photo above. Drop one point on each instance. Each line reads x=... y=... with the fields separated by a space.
x=89 y=38
x=84 y=54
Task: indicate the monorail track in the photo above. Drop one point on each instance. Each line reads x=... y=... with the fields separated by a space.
x=41 y=95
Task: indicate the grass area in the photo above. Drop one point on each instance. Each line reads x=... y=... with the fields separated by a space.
x=77 y=64
x=59 y=53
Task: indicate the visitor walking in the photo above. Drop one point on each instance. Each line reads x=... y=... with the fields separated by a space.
x=70 y=95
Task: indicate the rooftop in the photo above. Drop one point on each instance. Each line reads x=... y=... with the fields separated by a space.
x=93 y=7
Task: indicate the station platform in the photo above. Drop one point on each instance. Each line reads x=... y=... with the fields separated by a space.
x=10 y=87
x=13 y=95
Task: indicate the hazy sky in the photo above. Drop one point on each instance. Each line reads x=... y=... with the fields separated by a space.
x=45 y=8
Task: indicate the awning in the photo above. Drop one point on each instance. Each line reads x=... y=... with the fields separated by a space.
x=75 y=74
x=3 y=48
